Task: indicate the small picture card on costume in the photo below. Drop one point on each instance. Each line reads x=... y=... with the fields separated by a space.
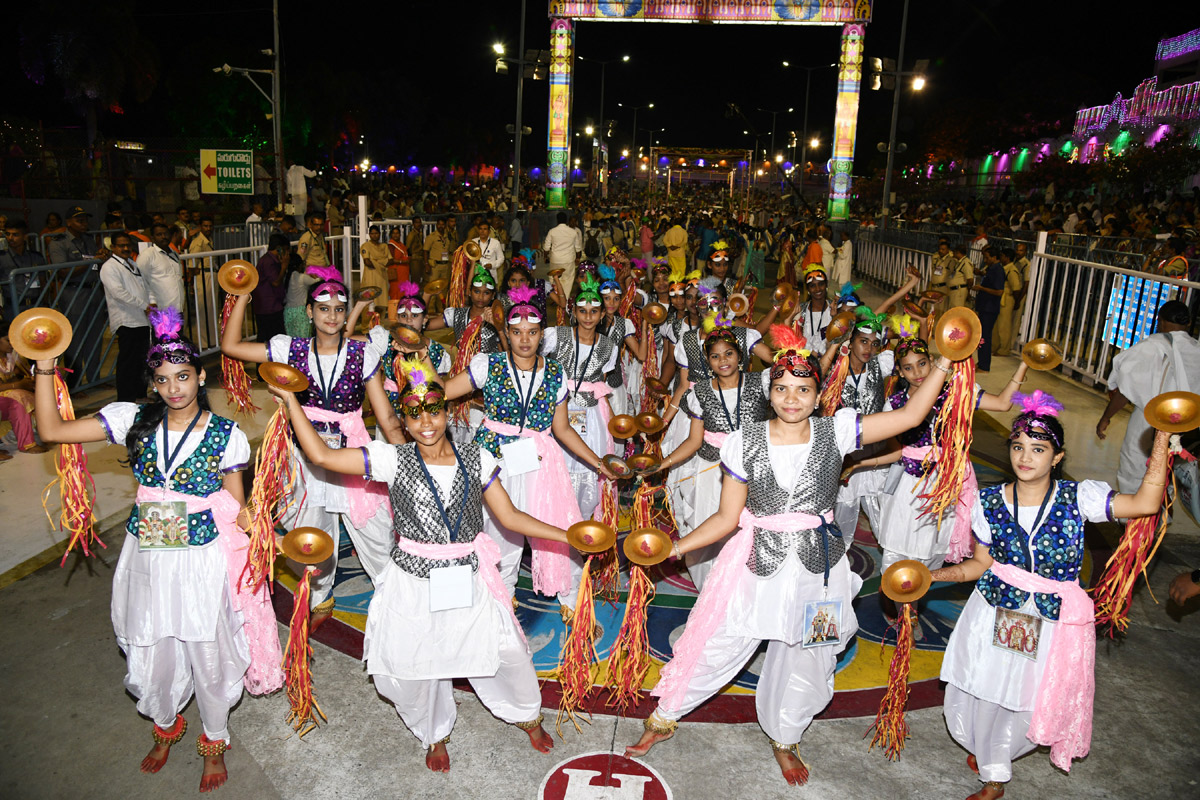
x=578 y=420
x=332 y=440
x=822 y=623
x=163 y=525
x=520 y=456
x=450 y=587
x=1017 y=633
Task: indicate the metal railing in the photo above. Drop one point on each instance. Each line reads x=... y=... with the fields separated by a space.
x=1092 y=310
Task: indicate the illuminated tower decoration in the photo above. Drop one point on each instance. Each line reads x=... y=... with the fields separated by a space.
x=558 y=144
x=845 y=120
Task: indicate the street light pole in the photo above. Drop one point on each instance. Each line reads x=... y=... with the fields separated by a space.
x=276 y=117
x=516 y=174
x=804 y=143
x=891 y=153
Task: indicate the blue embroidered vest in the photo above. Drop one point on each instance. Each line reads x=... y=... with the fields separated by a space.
x=199 y=475
x=1057 y=551
x=500 y=401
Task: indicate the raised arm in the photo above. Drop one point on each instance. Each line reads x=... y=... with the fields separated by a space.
x=513 y=519
x=763 y=351
x=385 y=414
x=1148 y=498
x=886 y=424
x=637 y=343
x=768 y=319
x=830 y=354
x=733 y=500
x=232 y=343
x=355 y=313
x=348 y=461
x=914 y=278
x=1003 y=401
x=51 y=426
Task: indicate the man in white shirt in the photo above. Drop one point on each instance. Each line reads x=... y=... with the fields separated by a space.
x=1166 y=361
x=562 y=247
x=162 y=271
x=128 y=300
x=297 y=188
x=492 y=250
x=828 y=251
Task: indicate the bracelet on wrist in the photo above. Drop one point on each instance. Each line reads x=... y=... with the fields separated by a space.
x=943 y=369
x=39 y=371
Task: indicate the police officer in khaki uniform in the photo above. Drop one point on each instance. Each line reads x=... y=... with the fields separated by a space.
x=960 y=278
x=943 y=265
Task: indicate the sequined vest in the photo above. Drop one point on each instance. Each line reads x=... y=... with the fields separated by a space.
x=348 y=393
x=489 y=340
x=199 y=475
x=500 y=401
x=753 y=408
x=867 y=395
x=416 y=515
x=815 y=493
x=436 y=353
x=922 y=435
x=564 y=354
x=617 y=332
x=1057 y=548
x=698 y=362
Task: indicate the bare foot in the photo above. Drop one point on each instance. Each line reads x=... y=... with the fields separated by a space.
x=317 y=620
x=155 y=759
x=990 y=791
x=437 y=759
x=215 y=774
x=648 y=740
x=35 y=448
x=541 y=741
x=793 y=769
x=973 y=764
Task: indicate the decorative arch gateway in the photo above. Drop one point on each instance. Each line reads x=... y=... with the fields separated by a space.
x=852 y=15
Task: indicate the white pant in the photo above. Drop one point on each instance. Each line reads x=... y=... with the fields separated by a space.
x=427 y=707
x=373 y=544
x=795 y=685
x=993 y=734
x=164 y=676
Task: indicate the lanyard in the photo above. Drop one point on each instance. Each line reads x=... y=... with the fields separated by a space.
x=327 y=388
x=1037 y=521
x=437 y=495
x=812 y=325
x=583 y=370
x=737 y=410
x=857 y=379
x=169 y=456
x=133 y=270
x=517 y=382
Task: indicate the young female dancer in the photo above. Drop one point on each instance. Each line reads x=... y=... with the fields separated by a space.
x=440 y=609
x=342 y=373
x=625 y=379
x=180 y=609
x=784 y=575
x=1019 y=663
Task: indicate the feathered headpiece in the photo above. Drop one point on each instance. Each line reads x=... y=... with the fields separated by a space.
x=848 y=294
x=168 y=346
x=660 y=264
x=589 y=290
x=693 y=277
x=906 y=329
x=717 y=326
x=1037 y=408
x=608 y=280
x=677 y=277
x=482 y=277
x=329 y=273
x=530 y=256
x=519 y=261
x=617 y=257
x=528 y=304
x=712 y=292
x=792 y=354
x=408 y=297
x=719 y=246
x=868 y=320
x=330 y=285
x=815 y=271
x=421 y=391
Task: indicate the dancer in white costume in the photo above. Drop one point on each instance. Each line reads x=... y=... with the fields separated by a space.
x=625 y=379
x=1019 y=663
x=180 y=610
x=786 y=565
x=342 y=373
x=440 y=610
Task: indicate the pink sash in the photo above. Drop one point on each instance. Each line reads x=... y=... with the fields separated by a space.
x=709 y=612
x=365 y=496
x=1062 y=709
x=600 y=390
x=715 y=439
x=551 y=498
x=489 y=556
x=258 y=617
x=961 y=545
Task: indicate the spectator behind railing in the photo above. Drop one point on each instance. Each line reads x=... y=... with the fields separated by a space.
x=18 y=255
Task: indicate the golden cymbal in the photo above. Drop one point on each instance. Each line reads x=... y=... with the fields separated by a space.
x=738 y=304
x=957 y=333
x=436 y=287
x=408 y=336
x=283 y=376
x=617 y=466
x=622 y=426
x=839 y=325
x=498 y=312
x=368 y=293
x=307 y=545
x=1042 y=354
x=473 y=251
x=556 y=272
x=906 y=581
x=656 y=387
x=591 y=536
x=649 y=422
x=237 y=276
x=642 y=463
x=1174 y=412
x=647 y=546
x=655 y=312
x=40 y=333
x=784 y=292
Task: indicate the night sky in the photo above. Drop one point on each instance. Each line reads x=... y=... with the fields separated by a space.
x=417 y=78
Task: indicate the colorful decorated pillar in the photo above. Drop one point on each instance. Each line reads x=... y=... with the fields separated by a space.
x=558 y=144
x=846 y=119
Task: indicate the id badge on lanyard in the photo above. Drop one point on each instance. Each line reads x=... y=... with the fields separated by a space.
x=521 y=456
x=1017 y=633
x=822 y=623
x=451 y=587
x=162 y=525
